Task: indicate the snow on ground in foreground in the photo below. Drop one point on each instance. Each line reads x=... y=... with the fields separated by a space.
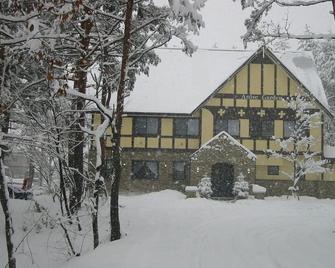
x=166 y=230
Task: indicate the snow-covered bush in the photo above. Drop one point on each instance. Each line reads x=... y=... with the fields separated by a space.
x=241 y=187
x=205 y=187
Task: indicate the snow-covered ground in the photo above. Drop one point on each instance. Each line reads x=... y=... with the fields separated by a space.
x=166 y=230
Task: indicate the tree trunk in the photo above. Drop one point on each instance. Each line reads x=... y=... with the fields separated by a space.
x=8 y=220
x=3 y=185
x=76 y=159
x=114 y=201
x=95 y=225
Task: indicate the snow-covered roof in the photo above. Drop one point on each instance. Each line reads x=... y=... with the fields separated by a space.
x=179 y=83
x=231 y=140
x=301 y=65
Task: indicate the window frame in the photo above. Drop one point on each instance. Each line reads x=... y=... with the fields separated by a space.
x=260 y=128
x=146 y=134
x=272 y=132
x=226 y=123
x=186 y=119
x=174 y=170
x=133 y=175
x=273 y=170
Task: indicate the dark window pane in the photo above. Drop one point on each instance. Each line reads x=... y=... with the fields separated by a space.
x=180 y=127
x=267 y=128
x=152 y=169
x=152 y=126
x=145 y=170
x=192 y=127
x=220 y=125
x=273 y=170
x=179 y=170
x=140 y=126
x=255 y=128
x=288 y=128
x=234 y=127
x=137 y=165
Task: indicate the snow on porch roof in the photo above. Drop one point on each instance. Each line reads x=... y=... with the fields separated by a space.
x=179 y=83
x=230 y=139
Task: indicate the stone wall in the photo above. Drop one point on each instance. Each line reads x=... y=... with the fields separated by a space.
x=165 y=180
x=222 y=151
x=319 y=189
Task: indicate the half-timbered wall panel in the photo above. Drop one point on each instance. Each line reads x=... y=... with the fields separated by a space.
x=127 y=126
x=282 y=83
x=242 y=81
x=167 y=127
x=139 y=142
x=244 y=128
x=126 y=142
x=228 y=87
x=268 y=79
x=255 y=79
x=207 y=125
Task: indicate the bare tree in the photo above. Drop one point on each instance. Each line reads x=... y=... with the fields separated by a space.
x=258 y=30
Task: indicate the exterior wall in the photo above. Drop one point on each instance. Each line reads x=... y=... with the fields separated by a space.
x=165 y=180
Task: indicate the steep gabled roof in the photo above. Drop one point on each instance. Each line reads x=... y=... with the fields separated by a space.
x=181 y=84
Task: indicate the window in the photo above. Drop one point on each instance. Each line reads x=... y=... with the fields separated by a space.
x=179 y=172
x=145 y=170
x=144 y=126
x=267 y=128
x=273 y=170
x=231 y=126
x=288 y=128
x=186 y=127
x=263 y=128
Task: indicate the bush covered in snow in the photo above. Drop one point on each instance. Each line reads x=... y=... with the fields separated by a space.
x=205 y=187
x=241 y=187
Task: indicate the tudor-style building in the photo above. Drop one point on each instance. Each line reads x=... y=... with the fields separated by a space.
x=215 y=114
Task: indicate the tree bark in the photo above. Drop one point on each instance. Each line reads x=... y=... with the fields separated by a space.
x=76 y=159
x=114 y=201
x=8 y=220
x=3 y=185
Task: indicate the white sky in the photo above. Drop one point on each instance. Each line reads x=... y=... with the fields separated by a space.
x=224 y=21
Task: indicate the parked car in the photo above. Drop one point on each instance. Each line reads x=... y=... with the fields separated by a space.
x=17 y=193
x=15 y=187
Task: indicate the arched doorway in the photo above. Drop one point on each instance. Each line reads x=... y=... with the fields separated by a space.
x=222 y=180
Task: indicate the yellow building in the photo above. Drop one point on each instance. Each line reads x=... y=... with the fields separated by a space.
x=186 y=101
